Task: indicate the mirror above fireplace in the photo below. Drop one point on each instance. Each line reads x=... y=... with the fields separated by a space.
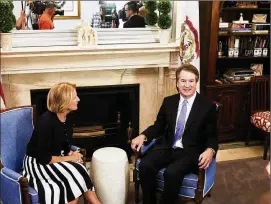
x=88 y=9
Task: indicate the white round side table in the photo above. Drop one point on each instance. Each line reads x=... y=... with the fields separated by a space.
x=111 y=175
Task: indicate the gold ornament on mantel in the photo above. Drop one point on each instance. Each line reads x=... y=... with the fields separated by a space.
x=86 y=34
x=247 y=4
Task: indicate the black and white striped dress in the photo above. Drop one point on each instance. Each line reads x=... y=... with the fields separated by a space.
x=60 y=182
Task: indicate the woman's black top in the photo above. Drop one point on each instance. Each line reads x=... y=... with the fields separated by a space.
x=50 y=137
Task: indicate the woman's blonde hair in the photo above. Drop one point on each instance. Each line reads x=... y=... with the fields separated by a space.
x=60 y=97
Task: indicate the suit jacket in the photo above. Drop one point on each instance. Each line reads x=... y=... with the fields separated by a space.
x=200 y=130
x=135 y=21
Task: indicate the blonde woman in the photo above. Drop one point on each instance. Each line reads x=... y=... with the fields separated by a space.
x=57 y=173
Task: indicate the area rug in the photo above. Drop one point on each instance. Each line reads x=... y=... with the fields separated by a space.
x=237 y=182
x=240 y=144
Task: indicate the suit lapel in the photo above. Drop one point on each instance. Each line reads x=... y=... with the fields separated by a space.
x=174 y=110
x=194 y=112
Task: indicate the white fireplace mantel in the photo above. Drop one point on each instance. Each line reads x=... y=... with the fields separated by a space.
x=74 y=58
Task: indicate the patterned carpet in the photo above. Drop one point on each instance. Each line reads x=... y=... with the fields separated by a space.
x=237 y=182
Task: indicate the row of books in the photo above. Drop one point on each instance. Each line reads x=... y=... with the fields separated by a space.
x=244 y=44
x=256 y=28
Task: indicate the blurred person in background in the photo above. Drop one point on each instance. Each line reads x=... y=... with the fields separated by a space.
x=27 y=19
x=47 y=17
x=135 y=20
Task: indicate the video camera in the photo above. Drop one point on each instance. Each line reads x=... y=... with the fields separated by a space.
x=107 y=9
x=37 y=7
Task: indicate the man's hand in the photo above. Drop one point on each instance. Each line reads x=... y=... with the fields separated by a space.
x=137 y=142
x=267 y=168
x=206 y=158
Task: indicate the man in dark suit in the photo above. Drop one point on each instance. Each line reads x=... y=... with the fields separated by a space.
x=188 y=124
x=135 y=20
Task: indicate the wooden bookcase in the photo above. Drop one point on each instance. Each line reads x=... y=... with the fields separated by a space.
x=234 y=97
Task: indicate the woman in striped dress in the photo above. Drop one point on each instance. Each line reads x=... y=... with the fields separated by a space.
x=55 y=172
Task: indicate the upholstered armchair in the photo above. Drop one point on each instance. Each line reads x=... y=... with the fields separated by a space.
x=195 y=187
x=16 y=130
x=260 y=109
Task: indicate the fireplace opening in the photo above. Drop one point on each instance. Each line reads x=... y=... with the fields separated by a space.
x=106 y=116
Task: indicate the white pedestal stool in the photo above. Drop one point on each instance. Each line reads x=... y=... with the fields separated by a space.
x=111 y=175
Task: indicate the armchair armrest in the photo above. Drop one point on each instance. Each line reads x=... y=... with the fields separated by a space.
x=206 y=178
x=11 y=174
x=145 y=148
x=14 y=188
x=74 y=148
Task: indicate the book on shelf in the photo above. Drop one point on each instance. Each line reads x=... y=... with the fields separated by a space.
x=247 y=46
x=260 y=31
x=223 y=25
x=240 y=30
x=260 y=26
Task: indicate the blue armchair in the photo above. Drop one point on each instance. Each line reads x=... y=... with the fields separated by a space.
x=16 y=130
x=194 y=186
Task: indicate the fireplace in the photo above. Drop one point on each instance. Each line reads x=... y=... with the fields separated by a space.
x=104 y=114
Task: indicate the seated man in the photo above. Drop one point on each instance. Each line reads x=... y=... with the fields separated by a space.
x=187 y=123
x=46 y=19
x=135 y=20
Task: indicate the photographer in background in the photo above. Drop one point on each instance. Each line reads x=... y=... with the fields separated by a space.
x=47 y=17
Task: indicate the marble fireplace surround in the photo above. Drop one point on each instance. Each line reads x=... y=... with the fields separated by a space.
x=150 y=65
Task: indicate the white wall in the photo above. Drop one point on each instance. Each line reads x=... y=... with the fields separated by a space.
x=88 y=8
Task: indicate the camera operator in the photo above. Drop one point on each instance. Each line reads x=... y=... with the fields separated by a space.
x=27 y=19
x=47 y=17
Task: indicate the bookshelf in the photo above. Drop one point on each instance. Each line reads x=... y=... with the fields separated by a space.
x=242 y=58
x=241 y=34
x=244 y=9
x=234 y=96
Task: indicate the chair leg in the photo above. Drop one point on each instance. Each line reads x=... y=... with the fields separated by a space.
x=85 y=200
x=248 y=134
x=198 y=196
x=198 y=201
x=266 y=145
x=136 y=192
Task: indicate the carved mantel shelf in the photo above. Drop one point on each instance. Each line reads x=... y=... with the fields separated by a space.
x=90 y=50
x=73 y=58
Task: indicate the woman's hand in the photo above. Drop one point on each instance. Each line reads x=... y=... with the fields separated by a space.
x=76 y=156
